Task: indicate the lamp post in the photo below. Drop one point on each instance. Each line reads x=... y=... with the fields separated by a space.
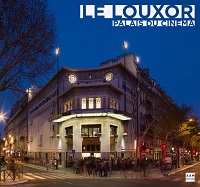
x=2 y=117
x=57 y=55
x=125 y=46
x=57 y=60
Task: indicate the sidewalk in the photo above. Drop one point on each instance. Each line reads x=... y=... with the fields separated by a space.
x=153 y=173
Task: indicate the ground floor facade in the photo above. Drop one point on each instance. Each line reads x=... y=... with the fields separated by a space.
x=77 y=138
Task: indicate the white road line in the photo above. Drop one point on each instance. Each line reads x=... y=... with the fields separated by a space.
x=42 y=176
x=28 y=177
x=176 y=179
x=35 y=176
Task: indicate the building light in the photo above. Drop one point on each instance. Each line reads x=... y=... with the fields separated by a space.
x=99 y=114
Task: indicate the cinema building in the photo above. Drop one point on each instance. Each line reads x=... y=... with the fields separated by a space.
x=98 y=112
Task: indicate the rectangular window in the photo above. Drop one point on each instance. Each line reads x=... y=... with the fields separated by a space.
x=83 y=103
x=113 y=130
x=90 y=130
x=69 y=130
x=112 y=103
x=98 y=102
x=68 y=105
x=117 y=105
x=91 y=103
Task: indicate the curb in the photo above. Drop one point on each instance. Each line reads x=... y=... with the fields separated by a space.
x=9 y=182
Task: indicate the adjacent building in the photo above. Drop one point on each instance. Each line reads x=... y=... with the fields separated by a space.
x=100 y=112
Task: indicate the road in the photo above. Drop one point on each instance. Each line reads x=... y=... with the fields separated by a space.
x=53 y=178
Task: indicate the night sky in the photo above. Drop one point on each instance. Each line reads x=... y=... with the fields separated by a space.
x=172 y=54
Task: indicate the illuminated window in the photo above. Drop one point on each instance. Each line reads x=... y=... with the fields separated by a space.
x=98 y=102
x=117 y=105
x=113 y=130
x=91 y=130
x=112 y=103
x=72 y=78
x=69 y=105
x=91 y=103
x=109 y=76
x=83 y=103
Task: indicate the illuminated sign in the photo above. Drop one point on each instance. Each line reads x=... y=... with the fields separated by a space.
x=142 y=15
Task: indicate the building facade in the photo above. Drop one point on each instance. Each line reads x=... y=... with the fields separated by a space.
x=100 y=112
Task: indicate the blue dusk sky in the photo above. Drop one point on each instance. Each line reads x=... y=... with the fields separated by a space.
x=172 y=54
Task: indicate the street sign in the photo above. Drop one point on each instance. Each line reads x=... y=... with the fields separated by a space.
x=190 y=177
x=143 y=153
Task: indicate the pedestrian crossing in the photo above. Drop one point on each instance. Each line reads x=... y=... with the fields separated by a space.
x=52 y=176
x=57 y=176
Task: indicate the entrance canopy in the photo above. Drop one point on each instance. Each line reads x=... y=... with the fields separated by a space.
x=91 y=113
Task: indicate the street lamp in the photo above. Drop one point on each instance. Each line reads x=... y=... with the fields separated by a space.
x=57 y=55
x=57 y=60
x=57 y=51
x=137 y=59
x=2 y=118
x=125 y=46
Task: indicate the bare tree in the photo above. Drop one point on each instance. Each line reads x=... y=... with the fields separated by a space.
x=148 y=119
x=27 y=42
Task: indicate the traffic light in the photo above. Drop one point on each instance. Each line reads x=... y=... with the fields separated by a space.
x=145 y=158
x=193 y=151
x=143 y=146
x=163 y=146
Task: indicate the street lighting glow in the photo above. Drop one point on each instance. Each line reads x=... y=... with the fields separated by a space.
x=190 y=120
x=137 y=59
x=57 y=51
x=125 y=44
x=2 y=117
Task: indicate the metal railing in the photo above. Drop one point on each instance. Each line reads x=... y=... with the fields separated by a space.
x=12 y=172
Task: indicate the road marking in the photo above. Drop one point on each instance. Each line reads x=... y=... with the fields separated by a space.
x=28 y=177
x=42 y=176
x=67 y=182
x=34 y=175
x=176 y=179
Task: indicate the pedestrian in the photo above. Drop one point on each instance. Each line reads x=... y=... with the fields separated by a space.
x=101 y=168
x=55 y=164
x=47 y=164
x=105 y=168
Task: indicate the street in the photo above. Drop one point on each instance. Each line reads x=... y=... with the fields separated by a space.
x=38 y=177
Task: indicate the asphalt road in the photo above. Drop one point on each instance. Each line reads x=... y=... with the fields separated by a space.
x=42 y=178
x=107 y=183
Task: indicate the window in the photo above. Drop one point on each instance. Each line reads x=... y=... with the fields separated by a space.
x=91 y=148
x=98 y=102
x=68 y=105
x=83 y=103
x=91 y=103
x=109 y=76
x=69 y=130
x=117 y=105
x=112 y=103
x=72 y=78
x=91 y=130
x=113 y=130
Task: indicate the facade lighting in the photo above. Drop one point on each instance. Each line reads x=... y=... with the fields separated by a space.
x=100 y=114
